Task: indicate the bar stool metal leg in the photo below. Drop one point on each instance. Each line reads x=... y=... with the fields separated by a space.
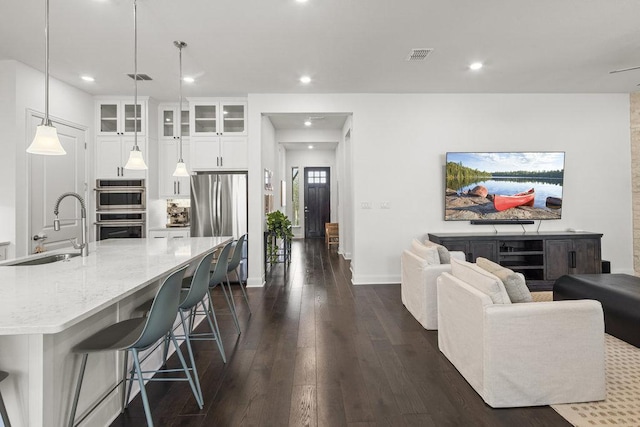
x=76 y=395
x=143 y=391
x=191 y=358
x=214 y=325
x=125 y=389
x=3 y=409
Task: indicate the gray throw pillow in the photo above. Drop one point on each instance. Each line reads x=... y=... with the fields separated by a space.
x=513 y=282
x=445 y=256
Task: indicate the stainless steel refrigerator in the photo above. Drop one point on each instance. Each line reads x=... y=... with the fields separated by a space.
x=219 y=207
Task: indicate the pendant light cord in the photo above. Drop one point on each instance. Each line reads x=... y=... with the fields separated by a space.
x=135 y=77
x=180 y=46
x=46 y=120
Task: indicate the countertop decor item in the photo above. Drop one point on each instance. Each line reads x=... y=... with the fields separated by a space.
x=136 y=161
x=46 y=140
x=181 y=168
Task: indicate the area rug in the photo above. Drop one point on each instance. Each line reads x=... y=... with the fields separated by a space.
x=622 y=405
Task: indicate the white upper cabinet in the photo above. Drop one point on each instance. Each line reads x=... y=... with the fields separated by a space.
x=213 y=117
x=119 y=117
x=171 y=121
x=221 y=152
x=116 y=126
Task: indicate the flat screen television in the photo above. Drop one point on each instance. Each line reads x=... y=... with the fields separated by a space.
x=503 y=186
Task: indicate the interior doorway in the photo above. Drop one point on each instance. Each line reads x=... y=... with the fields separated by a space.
x=317 y=201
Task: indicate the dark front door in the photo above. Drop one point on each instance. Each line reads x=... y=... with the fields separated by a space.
x=317 y=201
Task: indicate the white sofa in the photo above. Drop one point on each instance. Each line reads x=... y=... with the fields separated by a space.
x=418 y=286
x=523 y=354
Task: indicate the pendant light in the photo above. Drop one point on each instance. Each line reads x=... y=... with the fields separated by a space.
x=46 y=140
x=181 y=168
x=136 y=161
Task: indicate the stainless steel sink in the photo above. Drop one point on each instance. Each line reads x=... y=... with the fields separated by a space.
x=45 y=259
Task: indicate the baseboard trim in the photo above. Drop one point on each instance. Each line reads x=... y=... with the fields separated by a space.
x=365 y=279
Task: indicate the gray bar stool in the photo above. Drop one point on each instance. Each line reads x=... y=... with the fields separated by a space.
x=196 y=292
x=3 y=409
x=139 y=334
x=234 y=265
x=218 y=277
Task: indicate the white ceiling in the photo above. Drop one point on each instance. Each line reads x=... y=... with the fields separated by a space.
x=236 y=47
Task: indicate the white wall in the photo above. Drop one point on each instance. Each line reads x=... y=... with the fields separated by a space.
x=398 y=147
x=22 y=88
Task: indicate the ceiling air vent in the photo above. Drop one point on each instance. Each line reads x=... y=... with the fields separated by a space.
x=418 y=54
x=140 y=76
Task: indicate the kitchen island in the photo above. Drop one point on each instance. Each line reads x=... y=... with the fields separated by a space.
x=46 y=309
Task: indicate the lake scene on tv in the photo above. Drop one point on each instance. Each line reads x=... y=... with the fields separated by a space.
x=504 y=186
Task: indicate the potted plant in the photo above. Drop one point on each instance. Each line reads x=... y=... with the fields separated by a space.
x=278 y=227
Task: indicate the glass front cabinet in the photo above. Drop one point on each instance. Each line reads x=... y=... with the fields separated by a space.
x=217 y=118
x=171 y=123
x=119 y=117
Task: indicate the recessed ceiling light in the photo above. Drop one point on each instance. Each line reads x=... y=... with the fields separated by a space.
x=311 y=147
x=88 y=78
x=307 y=123
x=305 y=80
x=188 y=79
x=475 y=66
x=301 y=1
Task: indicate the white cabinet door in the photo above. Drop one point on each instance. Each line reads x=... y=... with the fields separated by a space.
x=109 y=157
x=233 y=152
x=171 y=186
x=233 y=118
x=204 y=118
x=169 y=233
x=179 y=234
x=112 y=153
x=220 y=153
x=170 y=122
x=119 y=117
x=215 y=117
x=205 y=153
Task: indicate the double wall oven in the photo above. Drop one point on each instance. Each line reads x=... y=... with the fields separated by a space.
x=121 y=208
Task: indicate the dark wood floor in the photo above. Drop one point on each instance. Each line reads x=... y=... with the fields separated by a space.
x=318 y=351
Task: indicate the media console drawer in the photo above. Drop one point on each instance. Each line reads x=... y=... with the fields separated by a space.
x=541 y=257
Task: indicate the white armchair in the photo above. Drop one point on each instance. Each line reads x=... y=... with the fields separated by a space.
x=524 y=354
x=418 y=286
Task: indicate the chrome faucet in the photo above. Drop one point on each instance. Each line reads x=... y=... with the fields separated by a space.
x=84 y=245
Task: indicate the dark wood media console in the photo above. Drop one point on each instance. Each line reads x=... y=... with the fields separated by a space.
x=541 y=257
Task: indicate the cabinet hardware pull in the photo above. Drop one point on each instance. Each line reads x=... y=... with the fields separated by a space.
x=174 y=187
x=178 y=187
x=572 y=259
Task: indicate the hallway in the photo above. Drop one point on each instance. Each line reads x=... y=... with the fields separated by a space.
x=318 y=351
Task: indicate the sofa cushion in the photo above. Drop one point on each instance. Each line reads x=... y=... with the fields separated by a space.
x=513 y=282
x=480 y=279
x=429 y=254
x=443 y=253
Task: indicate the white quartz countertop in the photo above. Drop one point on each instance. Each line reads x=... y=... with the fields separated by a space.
x=48 y=298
